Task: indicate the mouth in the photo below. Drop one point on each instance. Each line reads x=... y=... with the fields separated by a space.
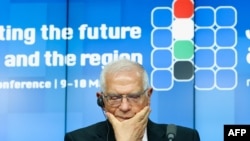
x=122 y=118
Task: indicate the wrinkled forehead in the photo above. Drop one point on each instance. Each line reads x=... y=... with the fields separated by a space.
x=119 y=69
x=125 y=80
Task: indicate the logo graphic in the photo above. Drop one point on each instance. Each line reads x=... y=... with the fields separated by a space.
x=188 y=47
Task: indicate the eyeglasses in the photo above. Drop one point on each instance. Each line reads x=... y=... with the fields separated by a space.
x=115 y=100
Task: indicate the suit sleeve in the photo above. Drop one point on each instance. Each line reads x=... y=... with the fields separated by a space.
x=196 y=136
x=67 y=137
x=187 y=134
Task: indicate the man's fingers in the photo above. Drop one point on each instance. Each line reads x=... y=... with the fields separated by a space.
x=111 y=118
x=144 y=118
x=143 y=114
x=147 y=113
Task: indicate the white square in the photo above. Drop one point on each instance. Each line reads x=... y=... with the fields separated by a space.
x=183 y=29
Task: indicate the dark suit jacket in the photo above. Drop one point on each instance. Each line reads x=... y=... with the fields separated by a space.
x=103 y=131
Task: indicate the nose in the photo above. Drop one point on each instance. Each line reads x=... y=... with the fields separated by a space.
x=125 y=106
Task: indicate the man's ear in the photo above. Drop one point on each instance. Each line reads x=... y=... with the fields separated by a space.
x=98 y=94
x=100 y=101
x=149 y=94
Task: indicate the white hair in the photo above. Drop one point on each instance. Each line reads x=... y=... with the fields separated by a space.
x=123 y=65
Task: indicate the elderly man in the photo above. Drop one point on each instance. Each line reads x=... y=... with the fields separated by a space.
x=125 y=98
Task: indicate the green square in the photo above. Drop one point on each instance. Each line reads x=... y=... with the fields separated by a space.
x=183 y=49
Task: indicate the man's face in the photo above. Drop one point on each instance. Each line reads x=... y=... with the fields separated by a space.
x=126 y=83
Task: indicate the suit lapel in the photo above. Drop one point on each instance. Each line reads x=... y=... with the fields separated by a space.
x=106 y=132
x=156 y=132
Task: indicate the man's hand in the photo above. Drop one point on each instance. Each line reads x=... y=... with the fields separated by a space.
x=132 y=129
